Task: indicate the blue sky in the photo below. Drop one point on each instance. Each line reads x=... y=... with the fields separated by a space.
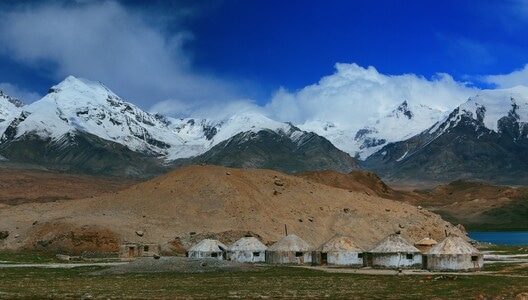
x=217 y=57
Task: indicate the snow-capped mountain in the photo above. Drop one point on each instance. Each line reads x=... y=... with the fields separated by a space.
x=77 y=113
x=10 y=108
x=402 y=123
x=81 y=105
x=492 y=110
x=484 y=138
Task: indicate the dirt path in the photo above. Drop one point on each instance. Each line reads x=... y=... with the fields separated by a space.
x=370 y=271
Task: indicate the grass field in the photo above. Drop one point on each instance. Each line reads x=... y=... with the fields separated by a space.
x=266 y=282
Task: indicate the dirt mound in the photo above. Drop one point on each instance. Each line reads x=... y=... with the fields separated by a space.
x=211 y=199
x=475 y=204
x=360 y=181
x=177 y=264
x=62 y=237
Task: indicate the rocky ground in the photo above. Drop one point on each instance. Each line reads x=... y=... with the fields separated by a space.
x=177 y=264
x=202 y=200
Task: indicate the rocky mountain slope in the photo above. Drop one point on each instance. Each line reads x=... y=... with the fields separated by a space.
x=484 y=138
x=209 y=199
x=403 y=122
x=82 y=126
x=290 y=151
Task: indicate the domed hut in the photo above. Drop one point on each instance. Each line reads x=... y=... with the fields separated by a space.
x=339 y=251
x=425 y=244
x=247 y=249
x=453 y=254
x=207 y=248
x=394 y=252
x=291 y=249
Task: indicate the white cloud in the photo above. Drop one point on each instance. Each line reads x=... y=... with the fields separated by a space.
x=217 y=110
x=19 y=93
x=517 y=77
x=105 y=41
x=354 y=94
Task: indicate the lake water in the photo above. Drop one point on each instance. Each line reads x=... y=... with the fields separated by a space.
x=515 y=238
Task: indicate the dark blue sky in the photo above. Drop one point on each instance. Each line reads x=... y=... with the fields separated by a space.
x=294 y=43
x=251 y=48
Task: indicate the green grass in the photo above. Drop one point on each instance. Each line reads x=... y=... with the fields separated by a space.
x=269 y=281
x=27 y=258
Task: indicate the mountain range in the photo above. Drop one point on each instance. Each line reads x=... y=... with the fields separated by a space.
x=82 y=126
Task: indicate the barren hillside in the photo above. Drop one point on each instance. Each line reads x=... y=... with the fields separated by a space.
x=210 y=199
x=476 y=205
x=19 y=186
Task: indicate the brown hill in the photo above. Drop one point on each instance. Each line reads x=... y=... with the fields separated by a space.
x=210 y=199
x=19 y=186
x=479 y=205
x=362 y=181
x=475 y=204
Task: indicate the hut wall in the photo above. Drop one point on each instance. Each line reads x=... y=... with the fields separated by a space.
x=288 y=257
x=147 y=250
x=396 y=260
x=338 y=258
x=205 y=254
x=247 y=256
x=454 y=262
x=345 y=258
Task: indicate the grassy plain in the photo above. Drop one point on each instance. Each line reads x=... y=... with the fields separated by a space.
x=506 y=282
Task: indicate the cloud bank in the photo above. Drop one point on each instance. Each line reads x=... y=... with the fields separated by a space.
x=517 y=77
x=18 y=93
x=108 y=42
x=133 y=53
x=353 y=95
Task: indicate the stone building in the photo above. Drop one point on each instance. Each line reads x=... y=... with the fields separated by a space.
x=339 y=251
x=291 y=249
x=394 y=252
x=207 y=248
x=129 y=250
x=453 y=254
x=247 y=249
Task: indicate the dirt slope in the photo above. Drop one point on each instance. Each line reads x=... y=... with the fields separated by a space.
x=476 y=205
x=201 y=199
x=19 y=186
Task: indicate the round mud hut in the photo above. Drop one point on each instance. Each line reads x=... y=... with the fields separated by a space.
x=247 y=249
x=425 y=244
x=338 y=251
x=394 y=252
x=207 y=248
x=453 y=254
x=291 y=249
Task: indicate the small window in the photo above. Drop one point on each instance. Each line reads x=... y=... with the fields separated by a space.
x=145 y=248
x=360 y=255
x=298 y=254
x=409 y=256
x=214 y=254
x=474 y=258
x=256 y=253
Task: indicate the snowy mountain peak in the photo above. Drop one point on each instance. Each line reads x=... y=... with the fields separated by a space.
x=402 y=110
x=14 y=101
x=404 y=121
x=490 y=106
x=78 y=105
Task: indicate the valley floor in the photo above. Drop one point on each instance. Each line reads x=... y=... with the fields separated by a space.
x=495 y=281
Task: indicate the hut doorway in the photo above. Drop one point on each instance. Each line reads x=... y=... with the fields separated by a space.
x=130 y=251
x=369 y=259
x=324 y=258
